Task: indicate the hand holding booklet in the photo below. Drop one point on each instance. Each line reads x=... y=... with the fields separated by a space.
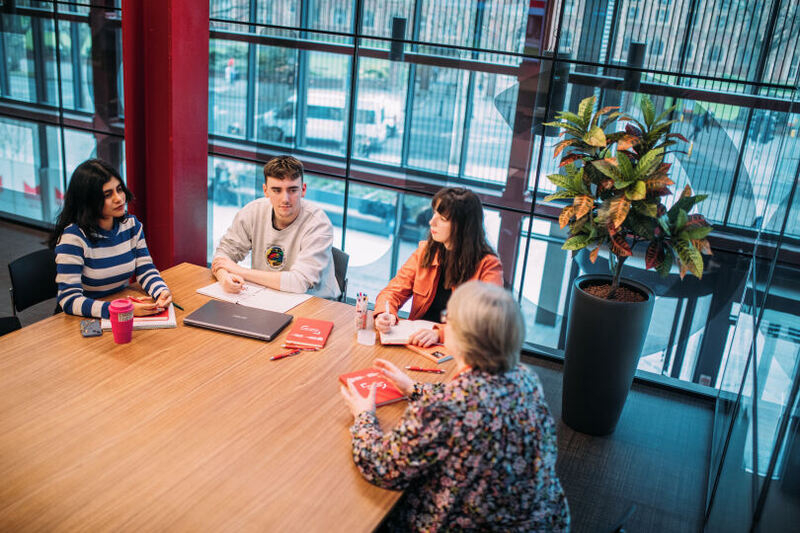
x=253 y=295
x=400 y=332
x=386 y=391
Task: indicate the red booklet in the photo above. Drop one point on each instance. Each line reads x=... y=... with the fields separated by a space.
x=385 y=391
x=309 y=333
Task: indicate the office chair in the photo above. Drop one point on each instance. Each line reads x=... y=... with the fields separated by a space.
x=340 y=261
x=33 y=280
x=9 y=324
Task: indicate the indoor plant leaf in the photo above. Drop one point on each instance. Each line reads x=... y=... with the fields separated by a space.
x=583 y=205
x=585 y=109
x=576 y=243
x=566 y=214
x=618 y=210
x=595 y=137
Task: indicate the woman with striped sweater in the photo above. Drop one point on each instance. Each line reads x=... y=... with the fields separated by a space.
x=99 y=246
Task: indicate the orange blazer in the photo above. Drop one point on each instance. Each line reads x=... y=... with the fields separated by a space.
x=419 y=283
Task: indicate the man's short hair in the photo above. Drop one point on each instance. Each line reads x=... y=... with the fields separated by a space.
x=283 y=167
x=487 y=324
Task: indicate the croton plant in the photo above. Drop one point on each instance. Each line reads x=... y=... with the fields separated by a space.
x=617 y=182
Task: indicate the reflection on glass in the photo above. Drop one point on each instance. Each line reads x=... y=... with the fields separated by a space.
x=276 y=95
x=380 y=118
x=324 y=104
x=31 y=184
x=227 y=98
x=436 y=119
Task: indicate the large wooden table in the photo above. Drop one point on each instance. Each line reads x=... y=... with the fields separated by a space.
x=184 y=429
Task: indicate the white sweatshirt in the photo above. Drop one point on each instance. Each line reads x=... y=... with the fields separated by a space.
x=301 y=252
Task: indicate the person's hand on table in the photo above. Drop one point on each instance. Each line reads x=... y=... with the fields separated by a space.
x=230 y=282
x=424 y=337
x=145 y=308
x=164 y=299
x=227 y=273
x=384 y=321
x=393 y=372
x=355 y=402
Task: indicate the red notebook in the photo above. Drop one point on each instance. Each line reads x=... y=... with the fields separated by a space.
x=309 y=333
x=386 y=392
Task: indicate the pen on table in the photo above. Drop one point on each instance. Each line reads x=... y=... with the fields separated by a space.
x=178 y=306
x=420 y=369
x=290 y=347
x=287 y=354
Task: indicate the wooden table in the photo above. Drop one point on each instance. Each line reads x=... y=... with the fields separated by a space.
x=184 y=429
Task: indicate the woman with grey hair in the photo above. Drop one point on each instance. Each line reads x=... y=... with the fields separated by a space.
x=477 y=452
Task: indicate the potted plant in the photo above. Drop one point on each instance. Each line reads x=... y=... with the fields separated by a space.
x=615 y=183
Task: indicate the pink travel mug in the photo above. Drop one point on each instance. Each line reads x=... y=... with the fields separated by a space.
x=121 y=312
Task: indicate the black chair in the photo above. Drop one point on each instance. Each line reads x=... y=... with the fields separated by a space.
x=9 y=324
x=33 y=279
x=340 y=261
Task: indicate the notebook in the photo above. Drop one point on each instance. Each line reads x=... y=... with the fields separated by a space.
x=238 y=320
x=164 y=319
x=386 y=392
x=437 y=353
x=308 y=333
x=399 y=333
x=256 y=296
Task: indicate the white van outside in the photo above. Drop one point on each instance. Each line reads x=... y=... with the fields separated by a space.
x=325 y=120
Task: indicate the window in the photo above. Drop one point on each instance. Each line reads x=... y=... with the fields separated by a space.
x=657 y=48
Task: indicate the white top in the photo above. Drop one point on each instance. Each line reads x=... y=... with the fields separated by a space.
x=301 y=252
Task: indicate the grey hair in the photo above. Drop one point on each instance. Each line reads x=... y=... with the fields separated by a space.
x=488 y=326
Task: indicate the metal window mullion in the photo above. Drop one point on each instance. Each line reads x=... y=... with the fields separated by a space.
x=39 y=76
x=612 y=34
x=542 y=135
x=302 y=76
x=75 y=63
x=769 y=31
x=250 y=97
x=351 y=124
x=412 y=80
x=476 y=39
x=5 y=87
x=684 y=52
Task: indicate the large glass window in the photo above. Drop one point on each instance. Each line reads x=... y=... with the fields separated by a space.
x=60 y=65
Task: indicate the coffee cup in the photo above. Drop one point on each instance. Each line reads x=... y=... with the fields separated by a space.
x=121 y=314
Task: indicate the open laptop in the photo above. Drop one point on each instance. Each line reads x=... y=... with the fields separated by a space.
x=239 y=320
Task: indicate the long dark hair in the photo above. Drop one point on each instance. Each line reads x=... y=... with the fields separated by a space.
x=83 y=203
x=464 y=211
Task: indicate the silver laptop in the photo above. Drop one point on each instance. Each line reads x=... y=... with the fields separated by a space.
x=239 y=320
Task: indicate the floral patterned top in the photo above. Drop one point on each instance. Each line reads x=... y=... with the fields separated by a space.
x=478 y=452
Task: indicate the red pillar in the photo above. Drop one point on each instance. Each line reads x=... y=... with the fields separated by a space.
x=165 y=65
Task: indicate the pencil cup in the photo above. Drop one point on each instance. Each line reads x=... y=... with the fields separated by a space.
x=121 y=312
x=366 y=336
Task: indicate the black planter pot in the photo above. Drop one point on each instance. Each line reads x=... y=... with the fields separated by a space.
x=603 y=345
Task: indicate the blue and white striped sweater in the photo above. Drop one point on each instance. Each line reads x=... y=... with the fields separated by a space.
x=86 y=270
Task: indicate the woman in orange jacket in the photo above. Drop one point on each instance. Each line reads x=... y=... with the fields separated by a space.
x=456 y=251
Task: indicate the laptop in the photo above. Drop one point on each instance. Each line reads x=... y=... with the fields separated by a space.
x=238 y=320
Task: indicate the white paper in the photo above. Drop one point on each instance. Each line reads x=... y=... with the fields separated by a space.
x=253 y=295
x=399 y=333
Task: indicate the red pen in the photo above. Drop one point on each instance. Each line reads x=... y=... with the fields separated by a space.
x=282 y=355
x=137 y=300
x=420 y=369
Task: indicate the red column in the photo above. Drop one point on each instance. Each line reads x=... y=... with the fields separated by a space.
x=165 y=65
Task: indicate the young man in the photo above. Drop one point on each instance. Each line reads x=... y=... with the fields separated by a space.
x=290 y=239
